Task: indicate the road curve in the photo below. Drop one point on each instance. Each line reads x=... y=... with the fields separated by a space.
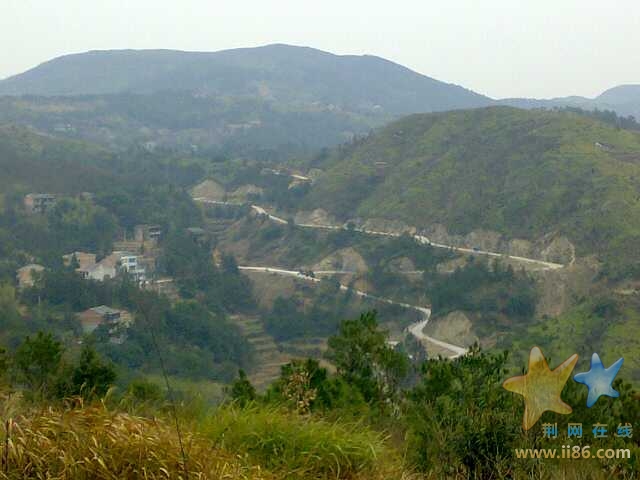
x=420 y=238
x=415 y=329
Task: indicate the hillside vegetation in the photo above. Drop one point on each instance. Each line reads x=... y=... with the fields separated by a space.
x=604 y=323
x=362 y=422
x=42 y=163
x=623 y=99
x=283 y=72
x=31 y=160
x=98 y=443
x=520 y=173
x=277 y=97
x=189 y=122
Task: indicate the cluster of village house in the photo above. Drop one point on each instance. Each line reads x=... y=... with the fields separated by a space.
x=126 y=261
x=116 y=319
x=118 y=263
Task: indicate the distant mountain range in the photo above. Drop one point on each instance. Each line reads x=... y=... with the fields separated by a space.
x=288 y=74
x=624 y=100
x=276 y=98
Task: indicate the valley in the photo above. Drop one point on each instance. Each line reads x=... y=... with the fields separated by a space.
x=562 y=272
x=282 y=263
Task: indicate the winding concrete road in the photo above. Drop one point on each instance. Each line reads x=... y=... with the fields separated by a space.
x=415 y=329
x=420 y=238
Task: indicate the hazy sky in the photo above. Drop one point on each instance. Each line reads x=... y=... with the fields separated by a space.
x=502 y=48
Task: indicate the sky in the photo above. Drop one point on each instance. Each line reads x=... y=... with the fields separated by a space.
x=501 y=48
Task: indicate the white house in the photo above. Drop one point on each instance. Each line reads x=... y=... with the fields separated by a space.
x=114 y=264
x=100 y=271
x=128 y=263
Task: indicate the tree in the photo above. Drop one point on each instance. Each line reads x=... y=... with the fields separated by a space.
x=460 y=419
x=90 y=377
x=241 y=389
x=81 y=223
x=9 y=314
x=38 y=361
x=307 y=387
x=363 y=359
x=229 y=264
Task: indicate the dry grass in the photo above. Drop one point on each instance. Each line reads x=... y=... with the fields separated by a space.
x=95 y=443
x=267 y=444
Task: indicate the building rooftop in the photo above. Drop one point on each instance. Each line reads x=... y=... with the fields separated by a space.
x=85 y=260
x=104 y=310
x=31 y=266
x=125 y=254
x=47 y=196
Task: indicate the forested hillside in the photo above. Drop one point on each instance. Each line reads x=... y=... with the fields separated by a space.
x=34 y=161
x=521 y=173
x=255 y=100
x=99 y=199
x=188 y=122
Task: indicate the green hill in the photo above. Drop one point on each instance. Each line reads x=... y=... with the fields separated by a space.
x=185 y=122
x=521 y=173
x=37 y=162
x=34 y=161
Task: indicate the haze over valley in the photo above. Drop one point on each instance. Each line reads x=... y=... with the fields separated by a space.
x=280 y=262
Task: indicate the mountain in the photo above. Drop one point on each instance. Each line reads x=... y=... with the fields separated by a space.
x=284 y=73
x=623 y=99
x=620 y=94
x=272 y=101
x=521 y=173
